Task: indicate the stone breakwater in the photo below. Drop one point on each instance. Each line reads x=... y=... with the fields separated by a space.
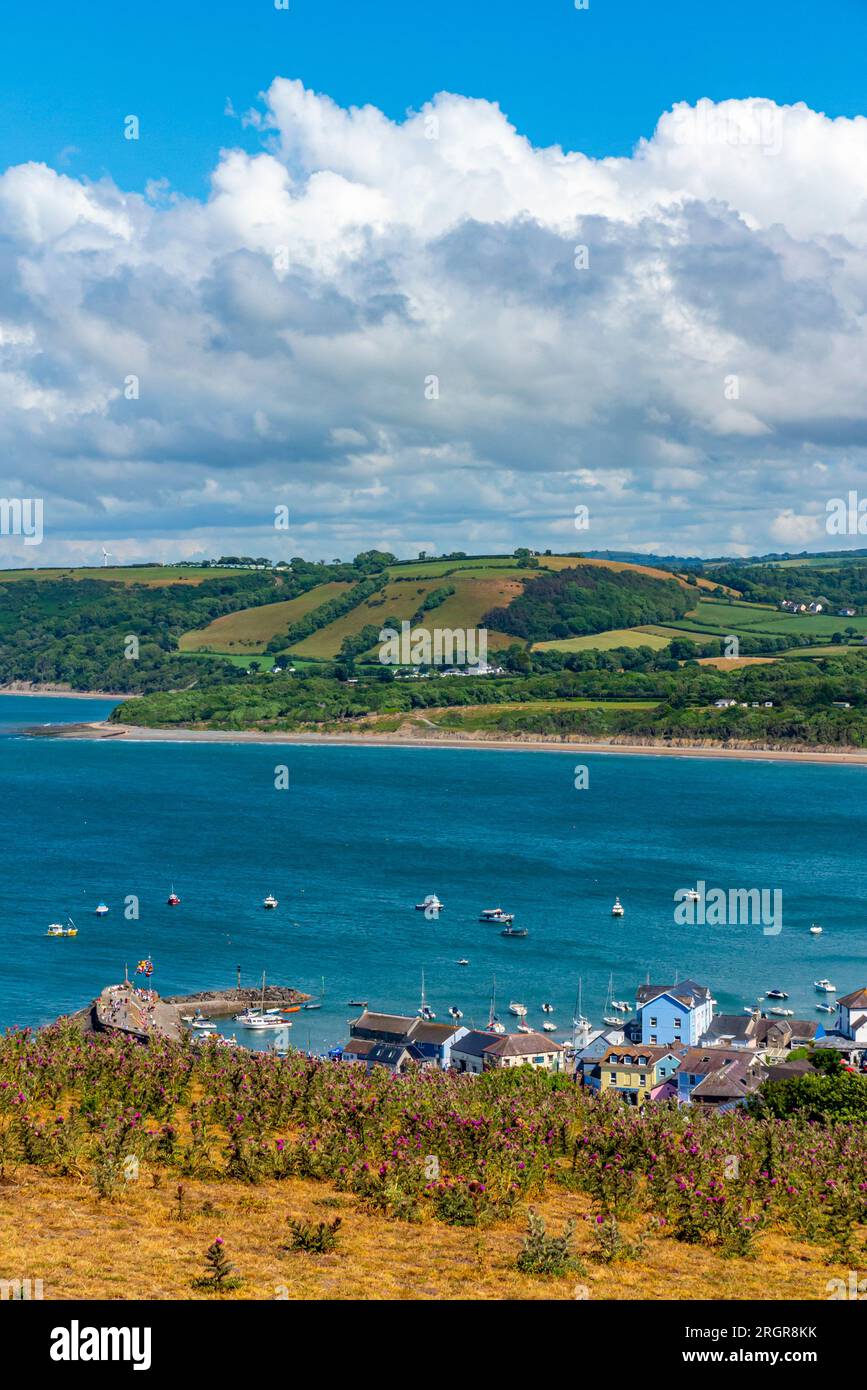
x=141 y=1013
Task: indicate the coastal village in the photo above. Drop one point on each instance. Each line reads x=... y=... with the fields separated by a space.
x=673 y=1048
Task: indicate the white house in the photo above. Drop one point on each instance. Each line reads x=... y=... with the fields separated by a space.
x=852 y=1016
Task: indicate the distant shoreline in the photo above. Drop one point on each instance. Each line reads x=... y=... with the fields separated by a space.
x=59 y=692
x=132 y=733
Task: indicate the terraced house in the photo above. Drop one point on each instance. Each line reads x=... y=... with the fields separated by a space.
x=678 y=1014
x=638 y=1073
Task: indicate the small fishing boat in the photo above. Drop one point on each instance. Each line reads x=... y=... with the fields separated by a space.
x=547 y=1008
x=270 y=903
x=782 y=1013
x=611 y=1019
x=549 y=1027
x=101 y=910
x=358 y=1003
x=524 y=1028
x=455 y=1012
x=620 y=1005
x=173 y=900
x=514 y=931
x=55 y=929
x=692 y=895
x=430 y=905
x=826 y=1008
x=815 y=929
x=618 y=909
x=463 y=961
x=519 y=1009
x=776 y=994
x=202 y=1024
x=497 y=916
x=824 y=986
x=312 y=1005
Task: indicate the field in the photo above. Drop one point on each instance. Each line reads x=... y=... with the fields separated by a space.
x=716 y=618
x=606 y=641
x=153 y=576
x=473 y=597
x=252 y=628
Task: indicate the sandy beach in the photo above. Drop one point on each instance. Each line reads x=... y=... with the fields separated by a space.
x=130 y=733
x=61 y=692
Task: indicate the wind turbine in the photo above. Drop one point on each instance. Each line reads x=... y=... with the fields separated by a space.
x=106 y=556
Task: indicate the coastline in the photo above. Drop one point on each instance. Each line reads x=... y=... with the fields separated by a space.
x=60 y=692
x=132 y=733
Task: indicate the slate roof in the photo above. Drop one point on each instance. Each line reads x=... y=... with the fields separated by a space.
x=686 y=992
x=856 y=1000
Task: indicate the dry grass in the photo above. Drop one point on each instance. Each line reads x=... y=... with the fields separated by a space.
x=251 y=628
x=136 y=1248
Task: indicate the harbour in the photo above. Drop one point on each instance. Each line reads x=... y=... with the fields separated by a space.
x=360 y=838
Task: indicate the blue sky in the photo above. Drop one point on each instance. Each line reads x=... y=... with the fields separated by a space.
x=381 y=321
x=595 y=80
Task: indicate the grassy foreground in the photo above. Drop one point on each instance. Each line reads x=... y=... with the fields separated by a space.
x=135 y=1247
x=121 y=1165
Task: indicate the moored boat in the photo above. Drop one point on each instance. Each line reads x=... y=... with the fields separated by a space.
x=101 y=910
x=514 y=931
x=776 y=994
x=173 y=900
x=815 y=929
x=497 y=916
x=824 y=986
x=431 y=905
x=270 y=903
x=618 y=909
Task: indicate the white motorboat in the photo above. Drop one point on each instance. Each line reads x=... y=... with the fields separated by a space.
x=620 y=1005
x=549 y=1027
x=259 y=1022
x=776 y=994
x=520 y=1010
x=826 y=1008
x=547 y=1008
x=692 y=895
x=825 y=986
x=203 y=1025
x=618 y=909
x=611 y=1019
x=782 y=1013
x=270 y=903
x=497 y=917
x=463 y=961
x=524 y=1028
x=455 y=1012
x=101 y=910
x=431 y=905
x=815 y=929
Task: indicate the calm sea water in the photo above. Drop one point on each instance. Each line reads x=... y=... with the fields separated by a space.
x=363 y=834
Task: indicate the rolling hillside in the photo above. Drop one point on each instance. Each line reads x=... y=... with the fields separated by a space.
x=250 y=629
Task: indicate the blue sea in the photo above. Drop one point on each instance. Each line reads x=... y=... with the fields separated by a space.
x=362 y=834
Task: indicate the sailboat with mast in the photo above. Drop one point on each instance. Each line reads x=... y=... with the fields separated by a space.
x=609 y=1016
x=494 y=1024
x=258 y=1018
x=424 y=1011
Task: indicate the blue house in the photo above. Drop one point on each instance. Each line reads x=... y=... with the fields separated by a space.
x=672 y=1015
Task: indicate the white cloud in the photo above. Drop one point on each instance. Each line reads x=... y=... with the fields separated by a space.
x=283 y=331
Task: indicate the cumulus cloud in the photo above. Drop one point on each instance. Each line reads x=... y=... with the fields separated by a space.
x=432 y=328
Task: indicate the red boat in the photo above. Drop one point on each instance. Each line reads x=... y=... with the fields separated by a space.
x=173 y=900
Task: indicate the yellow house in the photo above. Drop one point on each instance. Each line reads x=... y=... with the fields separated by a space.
x=636 y=1071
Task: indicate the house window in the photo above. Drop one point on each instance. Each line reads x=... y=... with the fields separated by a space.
x=643 y=1079
x=653 y=1023
x=539 y=1061
x=653 y=1037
